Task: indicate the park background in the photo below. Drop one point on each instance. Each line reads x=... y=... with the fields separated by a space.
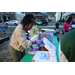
x=51 y=17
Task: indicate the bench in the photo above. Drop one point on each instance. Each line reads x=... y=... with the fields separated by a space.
x=3 y=28
x=4 y=39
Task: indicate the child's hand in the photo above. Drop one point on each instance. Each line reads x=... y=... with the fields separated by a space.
x=58 y=32
x=33 y=42
x=39 y=41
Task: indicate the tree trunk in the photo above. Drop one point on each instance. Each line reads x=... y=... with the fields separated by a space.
x=2 y=17
x=61 y=18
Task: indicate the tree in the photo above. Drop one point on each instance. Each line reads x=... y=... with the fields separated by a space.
x=32 y=12
x=61 y=16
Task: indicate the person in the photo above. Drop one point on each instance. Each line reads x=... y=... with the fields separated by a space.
x=66 y=25
x=67 y=47
x=57 y=31
x=20 y=39
x=34 y=30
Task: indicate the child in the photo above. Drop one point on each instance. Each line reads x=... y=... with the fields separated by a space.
x=57 y=31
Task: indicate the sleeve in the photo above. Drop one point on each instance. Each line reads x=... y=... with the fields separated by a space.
x=54 y=28
x=71 y=26
x=55 y=31
x=61 y=55
x=64 y=27
x=21 y=37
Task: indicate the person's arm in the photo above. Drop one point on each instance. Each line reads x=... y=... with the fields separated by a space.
x=21 y=37
x=62 y=57
x=71 y=26
x=64 y=27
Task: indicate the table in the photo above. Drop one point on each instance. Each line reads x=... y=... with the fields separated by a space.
x=28 y=57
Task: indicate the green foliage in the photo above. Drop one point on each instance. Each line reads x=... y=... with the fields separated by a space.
x=13 y=28
x=1 y=59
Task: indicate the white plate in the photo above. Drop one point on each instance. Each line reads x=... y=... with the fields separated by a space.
x=31 y=52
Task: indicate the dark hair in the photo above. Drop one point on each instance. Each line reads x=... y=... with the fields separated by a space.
x=27 y=19
x=69 y=18
x=57 y=24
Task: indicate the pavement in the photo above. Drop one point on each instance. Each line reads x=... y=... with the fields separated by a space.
x=43 y=26
x=50 y=25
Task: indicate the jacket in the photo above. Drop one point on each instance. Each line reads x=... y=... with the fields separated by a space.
x=67 y=46
x=18 y=39
x=66 y=26
x=62 y=57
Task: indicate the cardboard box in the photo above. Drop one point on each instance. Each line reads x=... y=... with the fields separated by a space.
x=48 y=45
x=44 y=56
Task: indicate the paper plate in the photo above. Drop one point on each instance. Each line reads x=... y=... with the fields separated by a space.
x=31 y=52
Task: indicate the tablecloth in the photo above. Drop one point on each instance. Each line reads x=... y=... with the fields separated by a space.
x=28 y=57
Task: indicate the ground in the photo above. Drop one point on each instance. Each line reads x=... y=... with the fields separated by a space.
x=4 y=49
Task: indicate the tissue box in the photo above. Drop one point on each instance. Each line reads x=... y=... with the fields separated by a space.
x=44 y=56
x=48 y=45
x=48 y=35
x=34 y=38
x=48 y=30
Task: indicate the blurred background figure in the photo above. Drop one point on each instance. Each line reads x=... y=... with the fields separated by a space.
x=67 y=24
x=57 y=31
x=34 y=30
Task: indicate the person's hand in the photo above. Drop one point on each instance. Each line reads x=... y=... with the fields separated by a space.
x=58 y=32
x=33 y=42
x=34 y=49
x=39 y=41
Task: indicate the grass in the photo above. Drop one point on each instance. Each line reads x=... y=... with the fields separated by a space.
x=1 y=59
x=54 y=22
x=13 y=28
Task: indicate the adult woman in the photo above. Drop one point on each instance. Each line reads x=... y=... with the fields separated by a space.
x=19 y=39
x=67 y=24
